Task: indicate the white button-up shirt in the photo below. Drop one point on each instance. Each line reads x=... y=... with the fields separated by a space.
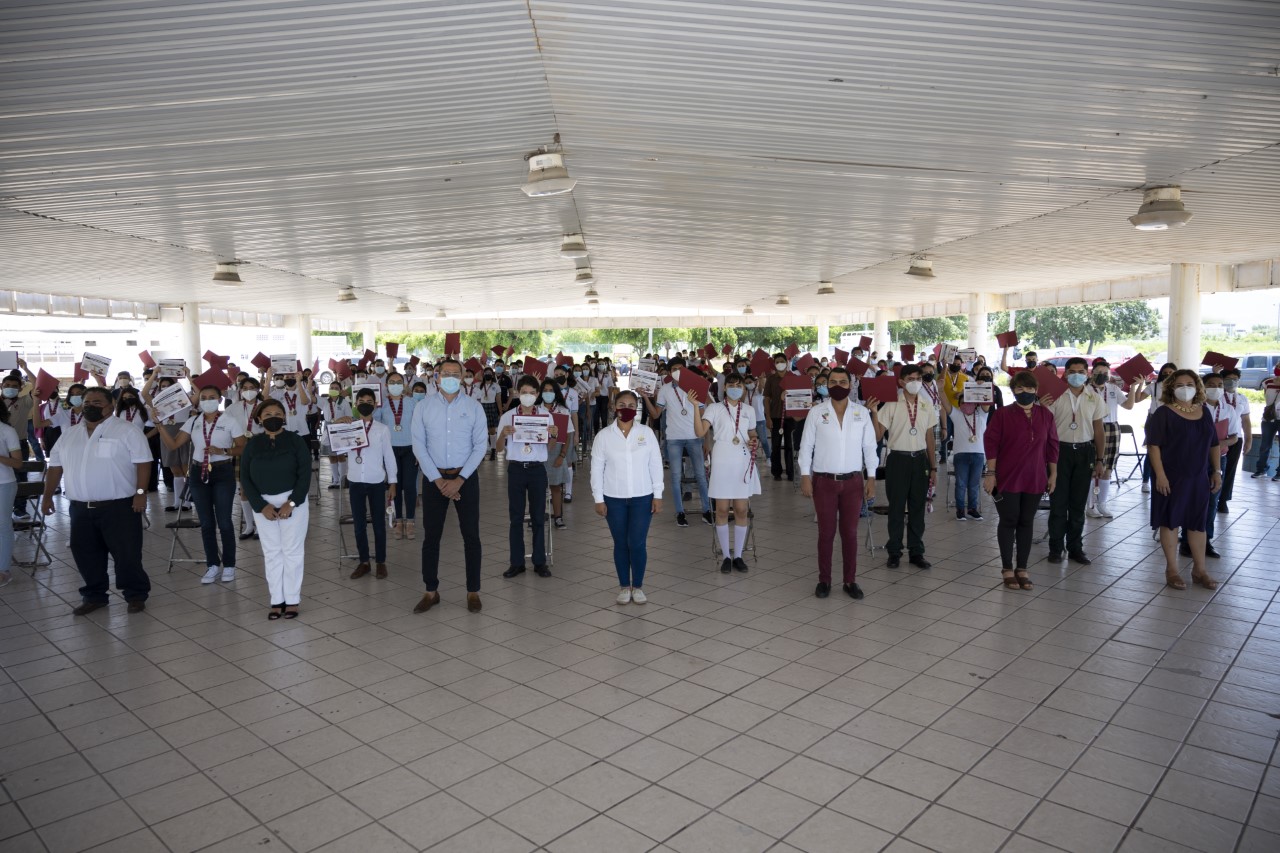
x=375 y=463
x=102 y=466
x=829 y=446
x=626 y=466
x=226 y=429
x=520 y=451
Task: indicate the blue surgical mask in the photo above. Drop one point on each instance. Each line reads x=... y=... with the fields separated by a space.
x=1077 y=380
x=822 y=391
x=76 y=401
x=10 y=393
x=734 y=392
x=499 y=369
x=742 y=369
x=419 y=395
x=548 y=396
x=450 y=384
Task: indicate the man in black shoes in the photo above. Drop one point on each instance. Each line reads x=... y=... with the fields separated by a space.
x=908 y=425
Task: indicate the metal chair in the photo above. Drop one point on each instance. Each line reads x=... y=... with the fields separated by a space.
x=1138 y=457
x=549 y=531
x=748 y=546
x=181 y=523
x=31 y=493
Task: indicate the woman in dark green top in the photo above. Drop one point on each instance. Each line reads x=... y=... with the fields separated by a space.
x=275 y=473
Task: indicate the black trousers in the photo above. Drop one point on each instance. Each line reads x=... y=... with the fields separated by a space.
x=1017 y=512
x=1066 y=504
x=527 y=484
x=20 y=503
x=784 y=436
x=313 y=426
x=435 y=507
x=153 y=482
x=600 y=417
x=1230 y=465
x=906 y=477
x=112 y=530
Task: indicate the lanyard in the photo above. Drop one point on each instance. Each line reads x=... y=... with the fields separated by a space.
x=933 y=395
x=1074 y=400
x=360 y=450
x=396 y=412
x=208 y=428
x=130 y=414
x=291 y=403
x=75 y=419
x=973 y=427
x=912 y=410
x=737 y=419
x=332 y=414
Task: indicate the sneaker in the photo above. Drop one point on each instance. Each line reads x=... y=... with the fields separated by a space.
x=624 y=597
x=975 y=515
x=638 y=596
x=1093 y=512
x=21 y=516
x=1276 y=478
x=1105 y=511
x=1258 y=474
x=959 y=513
x=681 y=521
x=708 y=518
x=559 y=523
x=211 y=575
x=1146 y=488
x=228 y=574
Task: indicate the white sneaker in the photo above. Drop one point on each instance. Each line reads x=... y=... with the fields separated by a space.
x=1093 y=512
x=638 y=596
x=229 y=574
x=1146 y=488
x=1104 y=511
x=211 y=575
x=624 y=597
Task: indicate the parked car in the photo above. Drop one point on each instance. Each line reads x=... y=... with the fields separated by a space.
x=1256 y=368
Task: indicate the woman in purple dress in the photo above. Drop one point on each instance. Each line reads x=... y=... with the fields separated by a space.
x=1182 y=444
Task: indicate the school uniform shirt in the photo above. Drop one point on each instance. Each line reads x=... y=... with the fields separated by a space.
x=397 y=416
x=626 y=466
x=449 y=434
x=134 y=418
x=1237 y=401
x=895 y=417
x=1111 y=397
x=589 y=387
x=1222 y=411
x=968 y=429
x=604 y=385
x=831 y=446
x=216 y=439
x=519 y=451
x=1079 y=409
x=102 y=466
x=241 y=412
x=571 y=399
x=756 y=400
x=377 y=462
x=490 y=392
x=8 y=443
x=679 y=411
x=931 y=392
x=332 y=409
x=295 y=411
x=65 y=418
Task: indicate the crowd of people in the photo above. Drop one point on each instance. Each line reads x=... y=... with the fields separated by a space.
x=423 y=429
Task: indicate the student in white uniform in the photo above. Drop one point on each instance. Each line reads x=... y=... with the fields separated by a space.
x=755 y=399
x=587 y=386
x=70 y=412
x=563 y=451
x=295 y=399
x=1153 y=393
x=526 y=479
x=567 y=381
x=371 y=473
x=1215 y=401
x=678 y=431
x=1114 y=398
x=209 y=437
x=1231 y=462
x=968 y=429
x=175 y=457
x=489 y=397
x=10 y=460
x=334 y=409
x=734 y=477
x=396 y=414
x=242 y=412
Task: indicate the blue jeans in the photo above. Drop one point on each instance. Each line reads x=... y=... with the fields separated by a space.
x=968 y=468
x=676 y=449
x=1269 y=429
x=762 y=433
x=8 y=492
x=213 y=501
x=629 y=524
x=369 y=500
x=406 y=500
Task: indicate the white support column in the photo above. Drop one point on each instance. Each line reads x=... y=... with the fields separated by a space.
x=1184 y=314
x=880 y=338
x=302 y=322
x=977 y=320
x=369 y=331
x=824 y=339
x=192 y=352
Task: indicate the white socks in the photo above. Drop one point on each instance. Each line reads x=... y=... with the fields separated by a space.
x=739 y=540
x=247 y=509
x=180 y=485
x=568 y=484
x=1104 y=492
x=722 y=534
x=335 y=471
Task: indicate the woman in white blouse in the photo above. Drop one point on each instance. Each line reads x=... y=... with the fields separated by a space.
x=626 y=482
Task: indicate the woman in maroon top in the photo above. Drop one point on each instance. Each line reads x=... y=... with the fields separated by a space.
x=1022 y=464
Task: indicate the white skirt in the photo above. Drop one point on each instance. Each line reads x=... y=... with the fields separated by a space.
x=729 y=479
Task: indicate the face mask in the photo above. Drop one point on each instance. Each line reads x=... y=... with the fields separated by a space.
x=450 y=384
x=548 y=397
x=734 y=392
x=779 y=366
x=291 y=382
x=528 y=400
x=822 y=390
x=470 y=380
x=10 y=393
x=675 y=375
x=365 y=409
x=76 y=401
x=249 y=394
x=488 y=377
x=1185 y=393
x=1031 y=364
x=928 y=377
x=335 y=392
x=1076 y=380
x=499 y=370
x=742 y=369
x=1100 y=378
x=838 y=392
x=579 y=373
x=279 y=383
x=379 y=370
x=93 y=414
x=626 y=415
x=1025 y=398
x=1229 y=384
x=1164 y=376
x=273 y=424
x=954 y=368
x=913 y=387
x=427 y=374
x=986 y=377
x=560 y=380
x=419 y=395
x=395 y=389
x=1213 y=395
x=751 y=386
x=128 y=402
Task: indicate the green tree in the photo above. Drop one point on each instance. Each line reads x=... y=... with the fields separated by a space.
x=928 y=331
x=1081 y=326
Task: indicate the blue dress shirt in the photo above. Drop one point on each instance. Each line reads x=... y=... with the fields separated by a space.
x=449 y=434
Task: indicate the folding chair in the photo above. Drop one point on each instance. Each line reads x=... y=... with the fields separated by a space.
x=1138 y=457
x=344 y=519
x=32 y=493
x=549 y=531
x=749 y=545
x=181 y=523
x=869 y=516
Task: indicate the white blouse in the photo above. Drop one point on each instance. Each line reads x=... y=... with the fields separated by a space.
x=626 y=466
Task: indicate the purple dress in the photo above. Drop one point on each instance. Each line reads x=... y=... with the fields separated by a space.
x=1184 y=452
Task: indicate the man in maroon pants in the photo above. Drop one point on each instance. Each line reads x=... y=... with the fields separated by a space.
x=837 y=462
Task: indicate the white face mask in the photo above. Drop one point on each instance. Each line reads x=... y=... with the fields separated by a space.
x=249 y=394
x=913 y=387
x=675 y=375
x=1213 y=395
x=780 y=366
x=1185 y=393
x=395 y=389
x=379 y=370
x=279 y=383
x=527 y=400
x=208 y=406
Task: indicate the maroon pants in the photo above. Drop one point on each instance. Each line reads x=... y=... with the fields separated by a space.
x=838 y=502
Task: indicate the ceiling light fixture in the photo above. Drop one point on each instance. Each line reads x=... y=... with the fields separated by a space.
x=783 y=300
x=920 y=268
x=593 y=301
x=573 y=246
x=748 y=310
x=585 y=277
x=591 y=293
x=403 y=308
x=227 y=274
x=440 y=315
x=346 y=293
x=547 y=175
x=1161 y=209
x=826 y=288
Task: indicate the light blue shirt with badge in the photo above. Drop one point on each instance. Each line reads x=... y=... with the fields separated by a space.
x=386 y=414
x=449 y=434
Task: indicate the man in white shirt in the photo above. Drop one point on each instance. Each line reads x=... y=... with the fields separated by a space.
x=1238 y=401
x=103 y=464
x=371 y=475
x=681 y=439
x=838 y=469
x=526 y=478
x=1270 y=422
x=1114 y=398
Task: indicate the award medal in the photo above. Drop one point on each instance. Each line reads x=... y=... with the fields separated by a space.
x=360 y=450
x=1075 y=406
x=396 y=412
x=912 y=411
x=737 y=419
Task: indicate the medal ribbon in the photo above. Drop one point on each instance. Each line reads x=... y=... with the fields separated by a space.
x=396 y=412
x=912 y=411
x=291 y=403
x=206 y=464
x=360 y=450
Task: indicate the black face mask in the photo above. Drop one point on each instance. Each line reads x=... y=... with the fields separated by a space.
x=92 y=414
x=274 y=424
x=289 y=383
x=954 y=368
x=1100 y=379
x=986 y=377
x=928 y=377
x=365 y=409
x=1025 y=398
x=1031 y=364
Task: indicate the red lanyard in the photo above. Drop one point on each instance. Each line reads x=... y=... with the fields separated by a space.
x=360 y=450
x=933 y=395
x=737 y=418
x=205 y=425
x=75 y=419
x=292 y=404
x=973 y=427
x=912 y=411
x=332 y=414
x=396 y=412
x=130 y=414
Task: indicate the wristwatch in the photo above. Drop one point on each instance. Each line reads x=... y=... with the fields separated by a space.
x=293 y=505
x=140 y=491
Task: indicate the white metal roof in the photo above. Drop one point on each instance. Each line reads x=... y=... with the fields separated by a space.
x=726 y=152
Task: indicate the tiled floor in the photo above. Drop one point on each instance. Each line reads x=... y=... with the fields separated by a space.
x=732 y=713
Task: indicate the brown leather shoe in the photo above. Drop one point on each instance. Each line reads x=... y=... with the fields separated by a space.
x=88 y=607
x=137 y=606
x=361 y=571
x=473 y=602
x=381 y=571
x=428 y=601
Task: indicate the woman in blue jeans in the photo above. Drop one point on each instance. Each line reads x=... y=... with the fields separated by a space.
x=968 y=428
x=626 y=483
x=212 y=478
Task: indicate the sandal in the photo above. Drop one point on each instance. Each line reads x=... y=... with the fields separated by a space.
x=1010 y=582
x=1024 y=582
x=1204 y=581
x=1174 y=580
x=290 y=614
x=276 y=611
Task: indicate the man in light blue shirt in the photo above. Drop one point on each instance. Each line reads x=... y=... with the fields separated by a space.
x=450 y=436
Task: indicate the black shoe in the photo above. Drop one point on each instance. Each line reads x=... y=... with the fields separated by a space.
x=171 y=509
x=920 y=562
x=740 y=564
x=1055 y=557
x=975 y=515
x=853 y=591
x=542 y=571
x=1210 y=552
x=777 y=476
x=726 y=566
x=1079 y=557
x=894 y=561
x=88 y=607
x=708 y=518
x=334 y=486
x=137 y=606
x=1184 y=549
x=1222 y=508
x=1257 y=474
x=493 y=455
x=959 y=514
x=568 y=499
x=822 y=590
x=681 y=521
x=248 y=535
x=513 y=571
x=791 y=478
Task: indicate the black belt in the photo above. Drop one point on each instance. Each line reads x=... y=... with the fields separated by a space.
x=911 y=453
x=524 y=464
x=1075 y=445
x=449 y=472
x=99 y=504
x=837 y=477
